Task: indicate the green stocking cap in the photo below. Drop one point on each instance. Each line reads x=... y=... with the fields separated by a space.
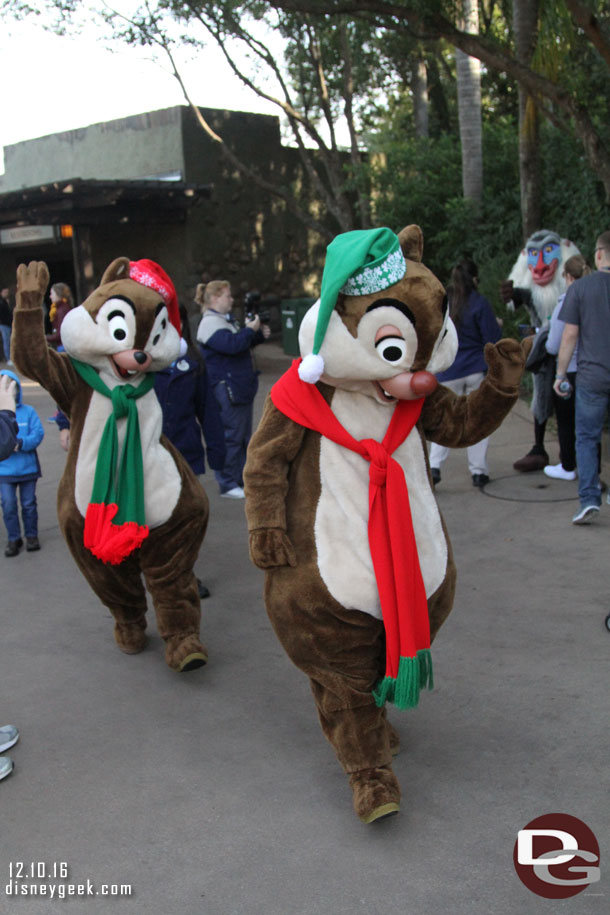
x=357 y=263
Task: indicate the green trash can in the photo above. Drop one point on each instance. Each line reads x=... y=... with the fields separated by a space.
x=293 y=312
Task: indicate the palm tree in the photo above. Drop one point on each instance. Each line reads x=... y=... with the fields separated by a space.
x=469 y=109
x=525 y=27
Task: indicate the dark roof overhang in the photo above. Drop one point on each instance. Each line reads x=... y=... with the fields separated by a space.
x=89 y=202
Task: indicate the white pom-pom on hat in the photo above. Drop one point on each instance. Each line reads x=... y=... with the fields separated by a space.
x=311 y=368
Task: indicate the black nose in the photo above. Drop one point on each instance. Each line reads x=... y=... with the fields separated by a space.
x=140 y=357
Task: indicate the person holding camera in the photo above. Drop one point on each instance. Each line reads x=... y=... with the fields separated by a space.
x=227 y=349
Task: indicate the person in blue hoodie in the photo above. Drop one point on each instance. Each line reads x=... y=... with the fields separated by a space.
x=8 y=423
x=18 y=475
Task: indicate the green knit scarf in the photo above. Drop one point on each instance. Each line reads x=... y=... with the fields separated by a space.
x=118 y=486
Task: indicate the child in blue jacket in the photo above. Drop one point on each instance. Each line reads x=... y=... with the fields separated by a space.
x=18 y=475
x=8 y=423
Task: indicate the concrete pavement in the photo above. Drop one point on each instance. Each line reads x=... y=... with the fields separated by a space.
x=215 y=793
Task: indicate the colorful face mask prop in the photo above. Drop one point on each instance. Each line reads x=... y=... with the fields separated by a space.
x=543 y=256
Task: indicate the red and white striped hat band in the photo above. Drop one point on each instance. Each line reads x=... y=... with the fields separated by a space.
x=150 y=274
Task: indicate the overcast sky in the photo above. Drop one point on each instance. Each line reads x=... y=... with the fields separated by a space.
x=50 y=84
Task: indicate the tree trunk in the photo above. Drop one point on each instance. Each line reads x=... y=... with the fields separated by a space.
x=419 y=88
x=469 y=110
x=525 y=20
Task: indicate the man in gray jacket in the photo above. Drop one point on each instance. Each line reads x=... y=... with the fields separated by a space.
x=586 y=312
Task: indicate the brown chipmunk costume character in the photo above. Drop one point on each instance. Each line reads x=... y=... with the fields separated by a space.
x=128 y=503
x=340 y=506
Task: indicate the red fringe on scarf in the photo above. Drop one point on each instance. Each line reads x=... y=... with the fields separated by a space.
x=110 y=542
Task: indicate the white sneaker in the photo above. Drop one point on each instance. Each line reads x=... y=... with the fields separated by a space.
x=9 y=736
x=235 y=493
x=6 y=766
x=556 y=472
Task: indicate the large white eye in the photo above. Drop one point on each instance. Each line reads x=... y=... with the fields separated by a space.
x=159 y=327
x=117 y=325
x=391 y=349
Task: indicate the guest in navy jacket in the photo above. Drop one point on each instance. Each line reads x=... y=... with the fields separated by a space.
x=190 y=412
x=227 y=349
x=476 y=325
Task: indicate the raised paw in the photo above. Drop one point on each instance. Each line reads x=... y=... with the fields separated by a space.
x=506 y=361
x=32 y=282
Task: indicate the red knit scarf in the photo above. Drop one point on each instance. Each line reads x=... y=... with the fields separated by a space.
x=391 y=537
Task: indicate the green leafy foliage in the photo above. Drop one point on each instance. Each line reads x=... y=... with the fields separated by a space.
x=420 y=182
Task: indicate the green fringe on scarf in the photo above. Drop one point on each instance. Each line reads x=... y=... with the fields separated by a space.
x=414 y=674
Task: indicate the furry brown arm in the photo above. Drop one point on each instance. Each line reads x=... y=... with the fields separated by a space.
x=30 y=351
x=455 y=421
x=272 y=448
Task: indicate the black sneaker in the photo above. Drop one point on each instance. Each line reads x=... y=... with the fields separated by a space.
x=203 y=591
x=480 y=479
x=13 y=547
x=32 y=544
x=435 y=474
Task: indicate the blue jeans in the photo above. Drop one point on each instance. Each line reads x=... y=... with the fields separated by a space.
x=237 y=424
x=5 y=332
x=591 y=407
x=29 y=509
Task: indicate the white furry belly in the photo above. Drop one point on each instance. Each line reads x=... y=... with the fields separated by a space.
x=341 y=525
x=161 y=477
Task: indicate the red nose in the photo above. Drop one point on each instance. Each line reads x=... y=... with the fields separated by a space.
x=423 y=383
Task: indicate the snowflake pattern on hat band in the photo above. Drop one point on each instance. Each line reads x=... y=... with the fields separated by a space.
x=147 y=279
x=374 y=279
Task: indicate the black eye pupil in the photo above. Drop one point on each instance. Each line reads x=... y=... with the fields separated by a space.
x=119 y=334
x=156 y=339
x=163 y=323
x=392 y=353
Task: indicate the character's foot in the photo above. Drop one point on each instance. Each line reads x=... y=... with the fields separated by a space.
x=536 y=459
x=185 y=652
x=376 y=793
x=131 y=637
x=13 y=547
